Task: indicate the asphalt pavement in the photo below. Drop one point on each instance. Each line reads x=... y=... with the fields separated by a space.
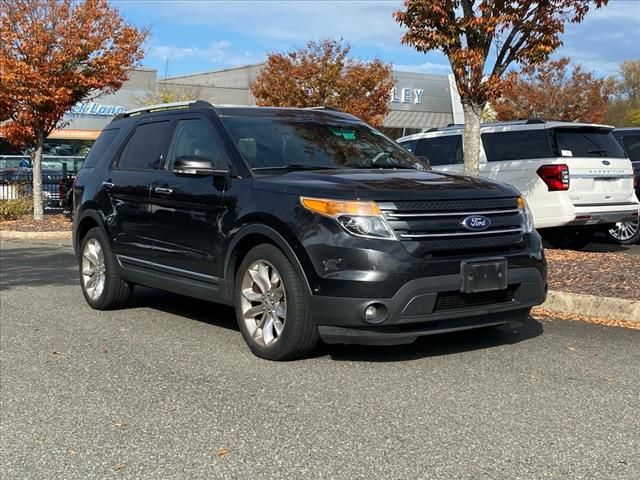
x=167 y=389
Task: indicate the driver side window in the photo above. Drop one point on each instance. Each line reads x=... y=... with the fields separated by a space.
x=193 y=137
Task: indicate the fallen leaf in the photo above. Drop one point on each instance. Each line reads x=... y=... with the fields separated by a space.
x=119 y=466
x=172 y=408
x=223 y=452
x=71 y=451
x=118 y=423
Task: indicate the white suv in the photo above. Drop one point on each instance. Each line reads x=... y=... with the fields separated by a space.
x=575 y=176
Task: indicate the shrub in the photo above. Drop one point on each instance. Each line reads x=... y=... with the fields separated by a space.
x=12 y=209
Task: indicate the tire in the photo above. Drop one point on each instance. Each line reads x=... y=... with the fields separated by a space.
x=271 y=306
x=109 y=290
x=625 y=233
x=568 y=239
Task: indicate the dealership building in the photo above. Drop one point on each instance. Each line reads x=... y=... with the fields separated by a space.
x=418 y=102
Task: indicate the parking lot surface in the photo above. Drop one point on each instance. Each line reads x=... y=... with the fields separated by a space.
x=167 y=389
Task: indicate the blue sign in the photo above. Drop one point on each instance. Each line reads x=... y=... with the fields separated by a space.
x=97 y=110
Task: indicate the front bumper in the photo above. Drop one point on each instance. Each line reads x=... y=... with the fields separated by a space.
x=427 y=306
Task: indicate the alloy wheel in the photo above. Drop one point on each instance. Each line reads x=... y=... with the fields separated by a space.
x=624 y=231
x=263 y=303
x=93 y=269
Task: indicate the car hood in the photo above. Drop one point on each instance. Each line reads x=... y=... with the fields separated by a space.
x=384 y=185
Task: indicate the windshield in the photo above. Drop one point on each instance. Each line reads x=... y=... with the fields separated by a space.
x=587 y=142
x=269 y=143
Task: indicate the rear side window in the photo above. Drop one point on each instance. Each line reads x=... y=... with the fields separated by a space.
x=587 y=142
x=100 y=147
x=143 y=151
x=518 y=145
x=440 y=150
x=632 y=144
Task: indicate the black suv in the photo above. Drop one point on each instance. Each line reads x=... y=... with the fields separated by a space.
x=310 y=222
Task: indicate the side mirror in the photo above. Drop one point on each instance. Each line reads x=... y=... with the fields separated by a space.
x=424 y=161
x=197 y=166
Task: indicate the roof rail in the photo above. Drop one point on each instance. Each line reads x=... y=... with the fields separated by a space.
x=164 y=106
x=322 y=107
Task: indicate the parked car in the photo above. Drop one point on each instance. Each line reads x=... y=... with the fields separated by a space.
x=575 y=176
x=628 y=233
x=310 y=222
x=23 y=177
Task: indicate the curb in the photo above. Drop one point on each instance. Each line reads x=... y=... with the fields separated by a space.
x=593 y=306
x=15 y=235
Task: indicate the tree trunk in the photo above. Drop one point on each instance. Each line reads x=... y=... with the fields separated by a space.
x=38 y=211
x=471 y=141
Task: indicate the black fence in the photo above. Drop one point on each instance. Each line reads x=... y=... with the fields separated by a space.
x=16 y=179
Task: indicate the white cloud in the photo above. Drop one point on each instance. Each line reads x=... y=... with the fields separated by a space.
x=217 y=53
x=289 y=22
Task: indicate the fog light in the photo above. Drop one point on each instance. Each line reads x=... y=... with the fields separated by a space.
x=370 y=313
x=375 y=313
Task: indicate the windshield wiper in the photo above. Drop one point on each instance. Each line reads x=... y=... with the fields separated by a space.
x=296 y=166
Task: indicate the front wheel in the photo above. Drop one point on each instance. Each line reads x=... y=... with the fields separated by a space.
x=568 y=239
x=625 y=233
x=271 y=306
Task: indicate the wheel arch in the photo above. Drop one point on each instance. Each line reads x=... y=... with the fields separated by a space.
x=256 y=234
x=85 y=222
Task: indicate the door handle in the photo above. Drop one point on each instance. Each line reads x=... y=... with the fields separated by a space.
x=108 y=185
x=163 y=190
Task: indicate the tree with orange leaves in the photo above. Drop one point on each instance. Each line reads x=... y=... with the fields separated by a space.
x=521 y=32
x=322 y=74
x=53 y=54
x=551 y=91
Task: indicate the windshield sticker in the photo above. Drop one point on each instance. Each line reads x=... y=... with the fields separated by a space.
x=566 y=153
x=345 y=133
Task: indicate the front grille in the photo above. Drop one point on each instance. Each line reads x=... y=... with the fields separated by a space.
x=453 y=205
x=433 y=226
x=453 y=300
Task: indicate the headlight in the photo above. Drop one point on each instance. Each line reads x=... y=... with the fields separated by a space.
x=527 y=222
x=362 y=219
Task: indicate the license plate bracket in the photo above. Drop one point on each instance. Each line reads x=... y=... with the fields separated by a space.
x=484 y=276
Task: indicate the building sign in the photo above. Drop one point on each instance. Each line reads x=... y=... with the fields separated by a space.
x=95 y=109
x=407 y=95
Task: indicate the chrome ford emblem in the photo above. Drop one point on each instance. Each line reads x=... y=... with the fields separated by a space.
x=606 y=162
x=476 y=223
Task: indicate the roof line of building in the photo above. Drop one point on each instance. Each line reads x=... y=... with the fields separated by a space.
x=240 y=67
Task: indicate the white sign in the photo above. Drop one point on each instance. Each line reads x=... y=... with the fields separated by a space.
x=407 y=95
x=95 y=109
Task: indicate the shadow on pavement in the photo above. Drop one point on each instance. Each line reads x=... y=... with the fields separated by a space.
x=429 y=346
x=37 y=266
x=199 y=310
x=436 y=345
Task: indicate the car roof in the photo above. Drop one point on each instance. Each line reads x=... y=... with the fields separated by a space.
x=515 y=125
x=234 y=111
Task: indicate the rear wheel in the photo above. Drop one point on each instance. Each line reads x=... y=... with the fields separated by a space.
x=271 y=306
x=569 y=239
x=625 y=233
x=102 y=286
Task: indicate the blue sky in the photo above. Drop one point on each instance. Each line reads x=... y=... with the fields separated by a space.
x=190 y=36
